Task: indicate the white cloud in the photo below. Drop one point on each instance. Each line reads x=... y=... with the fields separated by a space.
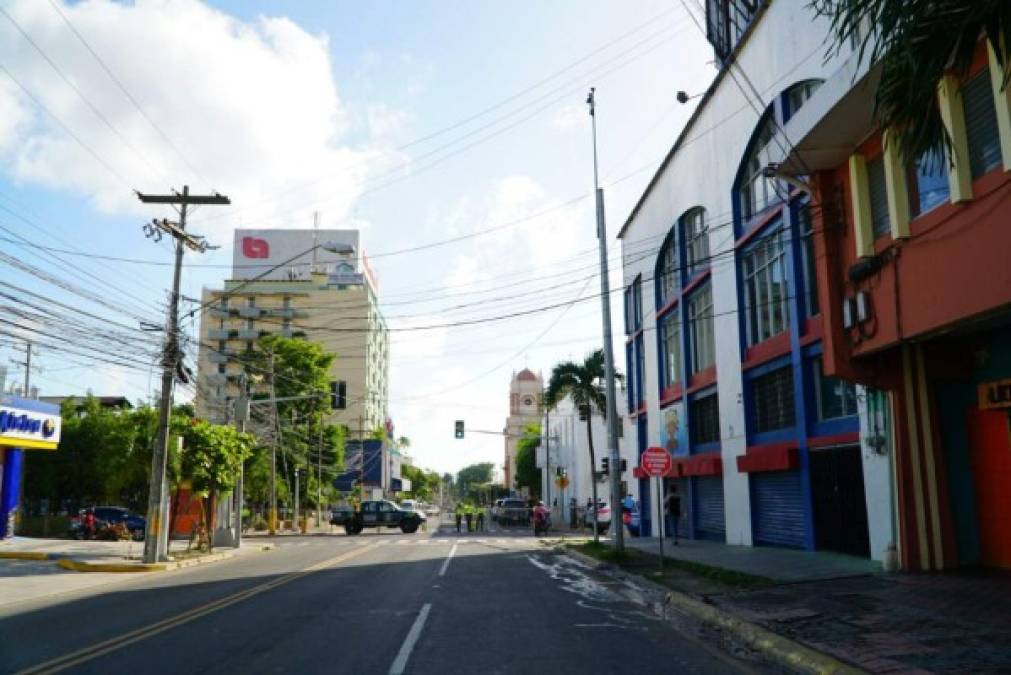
x=570 y=117
x=252 y=106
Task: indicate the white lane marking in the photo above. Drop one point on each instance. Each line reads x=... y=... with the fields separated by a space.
x=404 y=541
x=412 y=636
x=445 y=564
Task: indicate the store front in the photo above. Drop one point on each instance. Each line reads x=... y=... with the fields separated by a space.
x=25 y=425
x=975 y=429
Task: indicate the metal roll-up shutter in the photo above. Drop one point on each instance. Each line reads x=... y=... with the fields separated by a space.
x=645 y=512
x=777 y=508
x=709 y=514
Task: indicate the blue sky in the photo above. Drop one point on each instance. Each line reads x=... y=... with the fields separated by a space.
x=292 y=108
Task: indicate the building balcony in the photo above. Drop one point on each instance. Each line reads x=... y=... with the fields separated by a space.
x=250 y=312
x=220 y=357
x=216 y=379
x=219 y=312
x=221 y=334
x=248 y=333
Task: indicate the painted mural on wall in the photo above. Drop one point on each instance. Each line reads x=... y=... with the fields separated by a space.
x=673 y=434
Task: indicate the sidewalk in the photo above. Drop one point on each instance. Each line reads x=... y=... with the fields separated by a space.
x=31 y=571
x=956 y=622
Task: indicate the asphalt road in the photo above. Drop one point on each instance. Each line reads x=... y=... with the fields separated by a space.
x=436 y=602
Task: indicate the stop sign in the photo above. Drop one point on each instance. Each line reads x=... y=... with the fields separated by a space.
x=655 y=461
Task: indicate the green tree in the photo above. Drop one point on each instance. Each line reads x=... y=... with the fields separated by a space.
x=527 y=473
x=211 y=459
x=301 y=372
x=916 y=42
x=469 y=478
x=584 y=382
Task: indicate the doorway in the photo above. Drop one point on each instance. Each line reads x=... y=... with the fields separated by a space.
x=990 y=451
x=837 y=495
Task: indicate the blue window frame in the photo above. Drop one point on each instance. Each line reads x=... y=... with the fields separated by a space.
x=695 y=231
x=640 y=371
x=671 y=369
x=704 y=421
x=668 y=270
x=766 y=290
x=702 y=340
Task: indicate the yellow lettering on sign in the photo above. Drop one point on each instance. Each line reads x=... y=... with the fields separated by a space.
x=995 y=395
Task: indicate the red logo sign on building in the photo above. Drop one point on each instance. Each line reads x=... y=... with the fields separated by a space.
x=253 y=247
x=655 y=461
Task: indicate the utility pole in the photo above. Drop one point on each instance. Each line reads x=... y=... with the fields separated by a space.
x=272 y=520
x=241 y=415
x=27 y=363
x=319 y=474
x=605 y=301
x=154 y=550
x=547 y=454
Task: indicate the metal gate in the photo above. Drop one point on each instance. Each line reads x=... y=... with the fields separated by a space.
x=837 y=495
x=709 y=513
x=777 y=509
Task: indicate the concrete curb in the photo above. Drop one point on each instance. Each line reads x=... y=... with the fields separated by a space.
x=777 y=648
x=85 y=566
x=25 y=555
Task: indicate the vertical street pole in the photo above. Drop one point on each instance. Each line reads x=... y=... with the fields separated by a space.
x=241 y=415
x=28 y=368
x=319 y=475
x=153 y=551
x=605 y=301
x=295 y=514
x=547 y=455
x=660 y=524
x=272 y=524
x=155 y=541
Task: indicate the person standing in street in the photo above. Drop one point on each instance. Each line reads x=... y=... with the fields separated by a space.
x=480 y=518
x=673 y=512
x=468 y=514
x=459 y=515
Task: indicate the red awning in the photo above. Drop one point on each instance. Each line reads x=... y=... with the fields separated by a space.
x=772 y=457
x=708 y=464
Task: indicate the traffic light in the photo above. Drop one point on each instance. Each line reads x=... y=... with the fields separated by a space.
x=338 y=395
x=459 y=429
x=605 y=465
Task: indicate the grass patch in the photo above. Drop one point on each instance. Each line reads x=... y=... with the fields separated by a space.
x=675 y=569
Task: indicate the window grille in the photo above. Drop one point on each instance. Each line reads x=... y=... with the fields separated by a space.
x=773 y=400
x=704 y=420
x=880 y=221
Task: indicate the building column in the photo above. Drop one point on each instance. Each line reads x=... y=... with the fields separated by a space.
x=10 y=488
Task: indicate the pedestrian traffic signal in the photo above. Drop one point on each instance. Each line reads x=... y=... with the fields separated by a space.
x=459 y=429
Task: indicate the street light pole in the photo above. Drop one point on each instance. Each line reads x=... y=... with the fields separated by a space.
x=605 y=302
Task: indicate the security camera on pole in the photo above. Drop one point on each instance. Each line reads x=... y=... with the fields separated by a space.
x=605 y=301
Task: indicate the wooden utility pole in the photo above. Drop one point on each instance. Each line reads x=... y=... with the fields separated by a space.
x=157 y=503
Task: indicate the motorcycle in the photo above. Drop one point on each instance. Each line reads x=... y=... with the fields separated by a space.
x=542 y=523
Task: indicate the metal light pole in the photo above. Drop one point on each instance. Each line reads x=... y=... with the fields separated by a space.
x=605 y=302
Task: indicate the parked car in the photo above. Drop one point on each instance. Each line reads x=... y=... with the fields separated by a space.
x=603 y=517
x=431 y=510
x=106 y=516
x=410 y=505
x=514 y=512
x=383 y=514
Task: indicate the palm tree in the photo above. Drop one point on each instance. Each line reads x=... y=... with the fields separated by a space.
x=584 y=382
x=916 y=43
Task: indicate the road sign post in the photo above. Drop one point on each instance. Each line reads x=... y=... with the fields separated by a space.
x=657 y=462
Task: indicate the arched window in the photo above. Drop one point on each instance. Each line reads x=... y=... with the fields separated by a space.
x=696 y=236
x=667 y=270
x=756 y=191
x=796 y=96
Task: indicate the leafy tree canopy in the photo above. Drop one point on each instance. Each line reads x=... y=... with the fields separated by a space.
x=916 y=42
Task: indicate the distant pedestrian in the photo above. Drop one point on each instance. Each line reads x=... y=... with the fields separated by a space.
x=459 y=515
x=468 y=514
x=480 y=519
x=673 y=508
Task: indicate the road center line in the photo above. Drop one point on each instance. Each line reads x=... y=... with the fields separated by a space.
x=412 y=636
x=72 y=659
x=452 y=552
